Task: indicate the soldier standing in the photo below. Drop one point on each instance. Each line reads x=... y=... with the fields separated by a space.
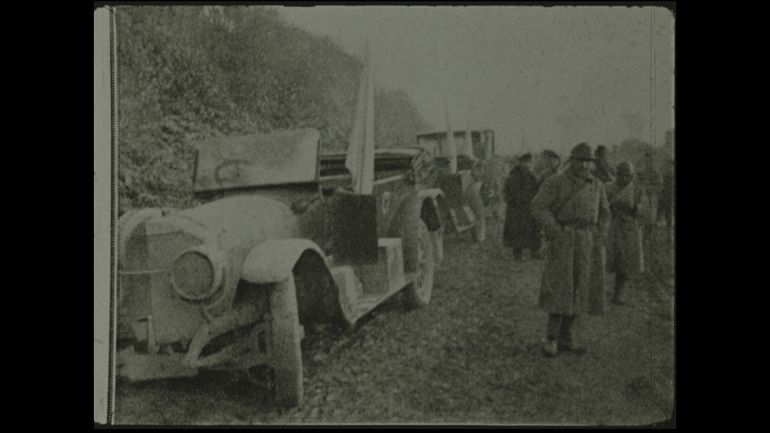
x=627 y=202
x=520 y=230
x=572 y=207
x=552 y=162
x=603 y=171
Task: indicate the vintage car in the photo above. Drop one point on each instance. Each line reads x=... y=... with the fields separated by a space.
x=279 y=243
x=474 y=191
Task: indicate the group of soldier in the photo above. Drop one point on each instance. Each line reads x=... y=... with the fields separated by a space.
x=589 y=219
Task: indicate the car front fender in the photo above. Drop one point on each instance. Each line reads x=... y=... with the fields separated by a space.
x=274 y=260
x=436 y=200
x=431 y=193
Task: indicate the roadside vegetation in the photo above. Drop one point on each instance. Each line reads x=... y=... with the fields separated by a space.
x=194 y=72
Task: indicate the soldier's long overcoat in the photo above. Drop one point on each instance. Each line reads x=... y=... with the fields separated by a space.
x=574 y=276
x=520 y=228
x=624 y=242
x=650 y=181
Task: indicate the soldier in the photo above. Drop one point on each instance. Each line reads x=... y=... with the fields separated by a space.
x=603 y=171
x=552 y=162
x=573 y=209
x=627 y=202
x=520 y=230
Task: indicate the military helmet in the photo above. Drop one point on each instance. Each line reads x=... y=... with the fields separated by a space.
x=582 y=152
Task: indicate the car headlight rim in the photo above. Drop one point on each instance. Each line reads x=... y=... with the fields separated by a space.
x=215 y=261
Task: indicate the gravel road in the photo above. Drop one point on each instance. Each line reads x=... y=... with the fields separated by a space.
x=472 y=356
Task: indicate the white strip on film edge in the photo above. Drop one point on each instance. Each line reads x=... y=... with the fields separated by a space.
x=104 y=132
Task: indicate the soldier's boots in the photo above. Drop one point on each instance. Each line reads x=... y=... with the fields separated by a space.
x=550 y=349
x=571 y=346
x=618 y=299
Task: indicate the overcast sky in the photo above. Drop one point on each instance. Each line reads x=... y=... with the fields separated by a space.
x=539 y=76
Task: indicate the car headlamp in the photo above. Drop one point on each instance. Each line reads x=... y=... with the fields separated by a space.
x=197 y=273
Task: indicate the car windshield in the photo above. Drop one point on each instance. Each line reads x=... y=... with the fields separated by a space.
x=436 y=143
x=280 y=157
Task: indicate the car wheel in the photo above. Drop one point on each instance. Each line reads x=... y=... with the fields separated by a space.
x=422 y=265
x=437 y=239
x=286 y=335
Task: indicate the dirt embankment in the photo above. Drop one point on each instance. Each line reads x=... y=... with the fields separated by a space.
x=472 y=356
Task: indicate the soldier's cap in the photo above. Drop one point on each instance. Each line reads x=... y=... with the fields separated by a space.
x=582 y=152
x=526 y=157
x=548 y=153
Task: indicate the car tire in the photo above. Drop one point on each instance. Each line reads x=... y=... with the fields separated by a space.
x=437 y=239
x=286 y=353
x=418 y=259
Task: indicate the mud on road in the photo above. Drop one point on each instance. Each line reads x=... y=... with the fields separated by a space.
x=472 y=356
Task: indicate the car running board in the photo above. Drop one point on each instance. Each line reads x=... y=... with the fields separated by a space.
x=363 y=287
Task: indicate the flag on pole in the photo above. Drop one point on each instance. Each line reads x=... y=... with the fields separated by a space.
x=451 y=146
x=360 y=157
x=468 y=149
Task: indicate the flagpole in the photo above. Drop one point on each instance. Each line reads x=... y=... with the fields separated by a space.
x=451 y=146
x=469 y=135
x=360 y=155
